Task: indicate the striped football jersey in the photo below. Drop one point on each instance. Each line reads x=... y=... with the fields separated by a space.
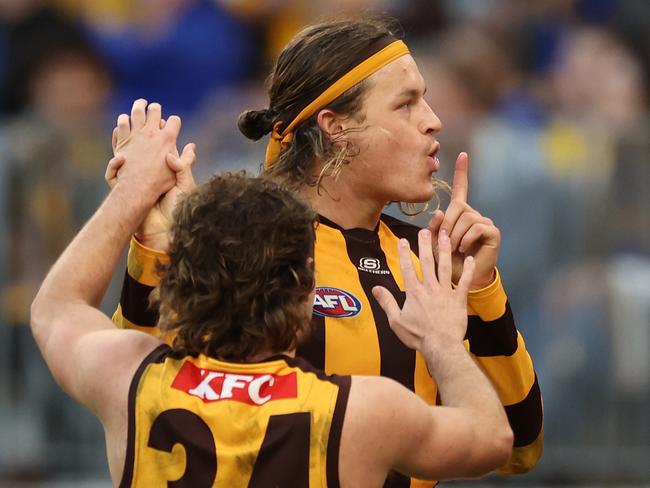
x=202 y=423
x=351 y=334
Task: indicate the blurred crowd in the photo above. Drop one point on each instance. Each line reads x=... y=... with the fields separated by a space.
x=549 y=97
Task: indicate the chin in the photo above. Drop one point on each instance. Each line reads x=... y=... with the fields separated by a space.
x=420 y=195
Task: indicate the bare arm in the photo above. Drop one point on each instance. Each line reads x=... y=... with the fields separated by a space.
x=469 y=436
x=75 y=338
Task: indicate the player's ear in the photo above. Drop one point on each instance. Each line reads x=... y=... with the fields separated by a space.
x=329 y=122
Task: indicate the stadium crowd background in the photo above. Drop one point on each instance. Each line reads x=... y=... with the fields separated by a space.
x=549 y=97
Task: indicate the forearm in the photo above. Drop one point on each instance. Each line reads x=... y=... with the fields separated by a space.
x=84 y=270
x=460 y=382
x=463 y=385
x=158 y=241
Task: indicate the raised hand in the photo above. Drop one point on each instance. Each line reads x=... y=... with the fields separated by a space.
x=434 y=314
x=471 y=233
x=154 y=230
x=148 y=176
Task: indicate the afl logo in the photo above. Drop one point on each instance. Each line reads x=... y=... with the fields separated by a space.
x=333 y=302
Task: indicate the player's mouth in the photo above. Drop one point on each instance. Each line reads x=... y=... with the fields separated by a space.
x=432 y=158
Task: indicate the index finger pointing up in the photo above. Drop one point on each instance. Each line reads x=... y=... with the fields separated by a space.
x=460 y=183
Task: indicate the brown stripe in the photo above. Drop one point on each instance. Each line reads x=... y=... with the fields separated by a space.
x=397 y=480
x=134 y=301
x=394 y=479
x=397 y=360
x=158 y=355
x=286 y=443
x=403 y=230
x=526 y=417
x=334 y=442
x=495 y=338
x=313 y=346
x=184 y=427
x=307 y=367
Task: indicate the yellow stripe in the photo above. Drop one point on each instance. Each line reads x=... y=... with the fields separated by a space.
x=141 y=263
x=357 y=74
x=123 y=323
x=118 y=318
x=344 y=336
x=488 y=303
x=523 y=459
x=512 y=376
x=388 y=242
x=425 y=387
x=415 y=483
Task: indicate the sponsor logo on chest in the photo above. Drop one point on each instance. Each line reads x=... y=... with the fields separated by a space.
x=254 y=389
x=372 y=265
x=334 y=302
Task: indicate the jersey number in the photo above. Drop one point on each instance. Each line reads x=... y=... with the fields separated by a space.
x=283 y=459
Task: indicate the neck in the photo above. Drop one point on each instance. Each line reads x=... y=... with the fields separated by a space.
x=264 y=355
x=343 y=204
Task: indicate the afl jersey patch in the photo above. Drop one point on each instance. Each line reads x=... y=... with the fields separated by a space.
x=334 y=302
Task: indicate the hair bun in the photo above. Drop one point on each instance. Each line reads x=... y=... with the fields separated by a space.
x=255 y=124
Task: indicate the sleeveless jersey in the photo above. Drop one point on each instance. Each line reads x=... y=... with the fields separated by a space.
x=351 y=334
x=202 y=423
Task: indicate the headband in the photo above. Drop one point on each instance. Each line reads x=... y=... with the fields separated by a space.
x=360 y=72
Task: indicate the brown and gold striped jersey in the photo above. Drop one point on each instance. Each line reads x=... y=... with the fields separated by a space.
x=351 y=334
x=202 y=423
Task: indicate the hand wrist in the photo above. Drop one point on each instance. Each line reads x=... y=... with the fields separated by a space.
x=134 y=197
x=483 y=282
x=132 y=207
x=158 y=241
x=441 y=356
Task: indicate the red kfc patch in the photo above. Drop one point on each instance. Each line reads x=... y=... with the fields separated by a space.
x=254 y=389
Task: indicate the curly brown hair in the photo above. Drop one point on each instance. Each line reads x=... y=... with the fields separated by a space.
x=240 y=275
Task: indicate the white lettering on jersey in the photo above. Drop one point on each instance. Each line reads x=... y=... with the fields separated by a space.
x=332 y=302
x=255 y=387
x=371 y=265
x=231 y=381
x=204 y=390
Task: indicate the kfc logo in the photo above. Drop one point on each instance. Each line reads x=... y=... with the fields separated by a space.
x=254 y=389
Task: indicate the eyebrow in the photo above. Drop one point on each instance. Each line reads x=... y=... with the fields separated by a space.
x=411 y=92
